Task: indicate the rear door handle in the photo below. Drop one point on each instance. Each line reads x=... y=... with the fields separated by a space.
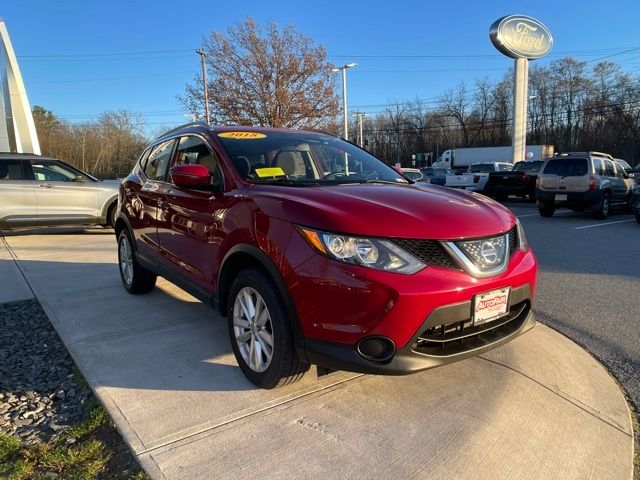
x=45 y=185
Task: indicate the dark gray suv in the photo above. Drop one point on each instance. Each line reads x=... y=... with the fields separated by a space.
x=582 y=181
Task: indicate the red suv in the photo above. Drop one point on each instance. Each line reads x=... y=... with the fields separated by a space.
x=319 y=253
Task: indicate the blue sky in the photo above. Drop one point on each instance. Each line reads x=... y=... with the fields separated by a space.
x=72 y=52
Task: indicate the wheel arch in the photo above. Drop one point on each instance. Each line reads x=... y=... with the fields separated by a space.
x=108 y=203
x=244 y=256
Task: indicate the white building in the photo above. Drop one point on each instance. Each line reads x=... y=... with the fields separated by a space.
x=17 y=130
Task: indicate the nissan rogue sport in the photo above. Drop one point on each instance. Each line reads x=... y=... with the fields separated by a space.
x=319 y=253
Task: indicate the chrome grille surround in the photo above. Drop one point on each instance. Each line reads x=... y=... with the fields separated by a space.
x=481 y=257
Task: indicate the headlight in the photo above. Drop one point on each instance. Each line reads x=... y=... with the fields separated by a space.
x=522 y=238
x=365 y=252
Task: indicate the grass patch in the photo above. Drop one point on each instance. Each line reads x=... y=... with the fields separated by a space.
x=8 y=447
x=89 y=450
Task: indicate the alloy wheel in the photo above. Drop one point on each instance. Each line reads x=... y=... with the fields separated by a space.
x=253 y=329
x=126 y=260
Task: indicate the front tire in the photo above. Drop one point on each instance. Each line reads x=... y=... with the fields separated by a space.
x=546 y=209
x=602 y=211
x=111 y=216
x=135 y=279
x=260 y=332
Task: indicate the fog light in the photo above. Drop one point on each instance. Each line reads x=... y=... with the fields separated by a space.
x=377 y=349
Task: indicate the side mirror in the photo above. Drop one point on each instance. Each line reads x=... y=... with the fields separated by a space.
x=78 y=178
x=190 y=176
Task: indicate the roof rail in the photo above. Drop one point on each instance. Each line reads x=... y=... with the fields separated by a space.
x=319 y=130
x=180 y=127
x=597 y=154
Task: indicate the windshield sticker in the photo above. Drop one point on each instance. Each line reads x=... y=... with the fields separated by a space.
x=242 y=135
x=270 y=172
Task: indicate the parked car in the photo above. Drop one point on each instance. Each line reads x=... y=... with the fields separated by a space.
x=435 y=176
x=582 y=181
x=412 y=174
x=635 y=202
x=476 y=176
x=42 y=191
x=521 y=181
x=312 y=263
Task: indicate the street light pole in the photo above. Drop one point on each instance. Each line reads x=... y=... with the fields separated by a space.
x=359 y=116
x=345 y=118
x=203 y=57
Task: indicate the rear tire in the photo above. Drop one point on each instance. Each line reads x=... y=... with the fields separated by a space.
x=602 y=211
x=260 y=332
x=546 y=209
x=135 y=279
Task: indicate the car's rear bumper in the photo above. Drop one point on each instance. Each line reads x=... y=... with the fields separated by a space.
x=429 y=348
x=589 y=198
x=508 y=189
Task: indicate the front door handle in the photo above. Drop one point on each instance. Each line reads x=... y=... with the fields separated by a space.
x=45 y=185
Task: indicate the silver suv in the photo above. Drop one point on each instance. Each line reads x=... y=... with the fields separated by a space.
x=41 y=191
x=582 y=181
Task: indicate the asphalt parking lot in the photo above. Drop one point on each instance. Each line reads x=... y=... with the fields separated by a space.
x=589 y=284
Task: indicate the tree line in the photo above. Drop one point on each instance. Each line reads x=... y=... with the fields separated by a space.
x=106 y=148
x=572 y=105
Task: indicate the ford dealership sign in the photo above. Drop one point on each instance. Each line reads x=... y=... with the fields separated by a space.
x=519 y=36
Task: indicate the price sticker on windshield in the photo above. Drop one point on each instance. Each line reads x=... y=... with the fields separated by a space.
x=270 y=172
x=242 y=135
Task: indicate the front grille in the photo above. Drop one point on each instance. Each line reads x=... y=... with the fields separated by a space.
x=513 y=241
x=461 y=336
x=431 y=252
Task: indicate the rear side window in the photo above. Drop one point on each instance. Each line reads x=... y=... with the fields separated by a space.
x=598 y=166
x=12 y=170
x=158 y=161
x=609 y=169
x=567 y=167
x=481 y=168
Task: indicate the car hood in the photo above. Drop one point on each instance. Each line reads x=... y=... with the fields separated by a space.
x=396 y=211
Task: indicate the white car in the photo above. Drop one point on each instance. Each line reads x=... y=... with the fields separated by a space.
x=42 y=191
x=476 y=176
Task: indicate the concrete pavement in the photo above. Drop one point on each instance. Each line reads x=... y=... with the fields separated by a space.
x=539 y=407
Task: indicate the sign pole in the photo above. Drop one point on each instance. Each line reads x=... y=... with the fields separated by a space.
x=520 y=97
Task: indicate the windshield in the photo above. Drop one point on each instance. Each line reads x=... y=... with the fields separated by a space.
x=567 y=167
x=302 y=158
x=528 y=166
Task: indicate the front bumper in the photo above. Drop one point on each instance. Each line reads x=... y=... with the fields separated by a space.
x=635 y=202
x=339 y=305
x=429 y=348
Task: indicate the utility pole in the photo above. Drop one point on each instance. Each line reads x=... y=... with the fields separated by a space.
x=359 y=116
x=203 y=57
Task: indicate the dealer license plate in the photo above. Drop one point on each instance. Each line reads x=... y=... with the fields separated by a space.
x=561 y=197
x=490 y=305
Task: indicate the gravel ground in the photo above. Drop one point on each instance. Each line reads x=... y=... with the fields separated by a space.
x=40 y=391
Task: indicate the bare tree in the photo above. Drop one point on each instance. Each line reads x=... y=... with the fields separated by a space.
x=265 y=76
